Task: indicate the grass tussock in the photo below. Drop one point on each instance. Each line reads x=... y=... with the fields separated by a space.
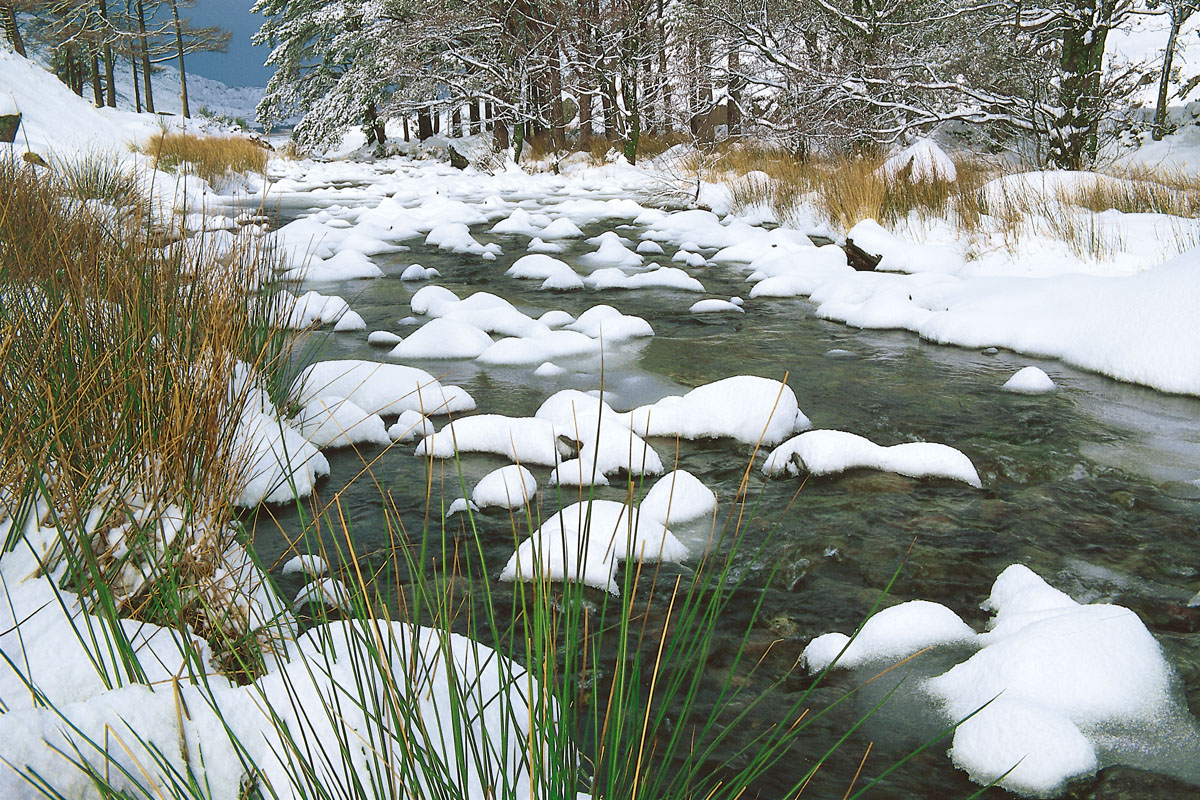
x=121 y=365
x=207 y=157
x=843 y=190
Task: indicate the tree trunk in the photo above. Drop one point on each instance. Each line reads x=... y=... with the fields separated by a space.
x=407 y=137
x=97 y=91
x=490 y=115
x=558 y=125
x=375 y=129
x=110 y=85
x=1160 y=107
x=1074 y=131
x=179 y=49
x=585 y=118
x=473 y=116
x=500 y=134
x=456 y=121
x=664 y=88
x=424 y=124
x=137 y=90
x=11 y=31
x=733 y=103
x=145 y=46
x=608 y=91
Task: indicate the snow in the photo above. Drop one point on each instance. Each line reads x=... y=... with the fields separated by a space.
x=562 y=228
x=508 y=487
x=892 y=634
x=677 y=497
x=921 y=162
x=443 y=338
x=584 y=542
x=537 y=245
x=415 y=272
x=383 y=389
x=827 y=452
x=747 y=408
x=328 y=592
x=662 y=277
x=483 y=310
x=900 y=256
x=1053 y=691
x=524 y=440
x=715 y=306
x=344 y=265
x=313 y=308
x=332 y=421
x=611 y=253
x=311 y=565
x=1029 y=380
x=273 y=462
x=1092 y=667
x=410 y=425
x=610 y=325
x=607 y=444
x=383 y=339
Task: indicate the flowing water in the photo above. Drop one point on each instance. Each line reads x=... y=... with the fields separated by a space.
x=1093 y=486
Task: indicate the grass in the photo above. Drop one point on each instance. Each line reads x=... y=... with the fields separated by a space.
x=843 y=190
x=117 y=358
x=209 y=157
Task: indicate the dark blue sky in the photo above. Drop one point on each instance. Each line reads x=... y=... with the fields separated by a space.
x=243 y=64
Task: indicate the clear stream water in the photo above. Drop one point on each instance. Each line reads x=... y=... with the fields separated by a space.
x=1093 y=487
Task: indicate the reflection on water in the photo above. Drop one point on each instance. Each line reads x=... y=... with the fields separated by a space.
x=1088 y=486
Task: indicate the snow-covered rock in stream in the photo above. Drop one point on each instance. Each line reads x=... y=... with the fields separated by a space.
x=524 y=440
x=827 y=452
x=383 y=389
x=332 y=421
x=747 y=408
x=1054 y=690
x=508 y=487
x=586 y=541
x=1029 y=380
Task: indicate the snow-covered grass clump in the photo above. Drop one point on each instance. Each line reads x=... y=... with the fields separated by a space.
x=828 y=452
x=1054 y=691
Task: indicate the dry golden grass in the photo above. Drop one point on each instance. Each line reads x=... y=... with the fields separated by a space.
x=117 y=358
x=208 y=157
x=846 y=190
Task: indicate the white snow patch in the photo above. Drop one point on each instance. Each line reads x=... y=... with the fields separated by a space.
x=827 y=452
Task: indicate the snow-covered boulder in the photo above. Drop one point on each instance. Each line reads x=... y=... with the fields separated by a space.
x=586 y=541
x=1029 y=380
x=508 y=487
x=382 y=389
x=828 y=452
x=747 y=408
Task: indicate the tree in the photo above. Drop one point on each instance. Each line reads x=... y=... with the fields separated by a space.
x=1178 y=11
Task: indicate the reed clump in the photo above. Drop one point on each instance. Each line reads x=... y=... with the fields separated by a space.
x=124 y=364
x=207 y=157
